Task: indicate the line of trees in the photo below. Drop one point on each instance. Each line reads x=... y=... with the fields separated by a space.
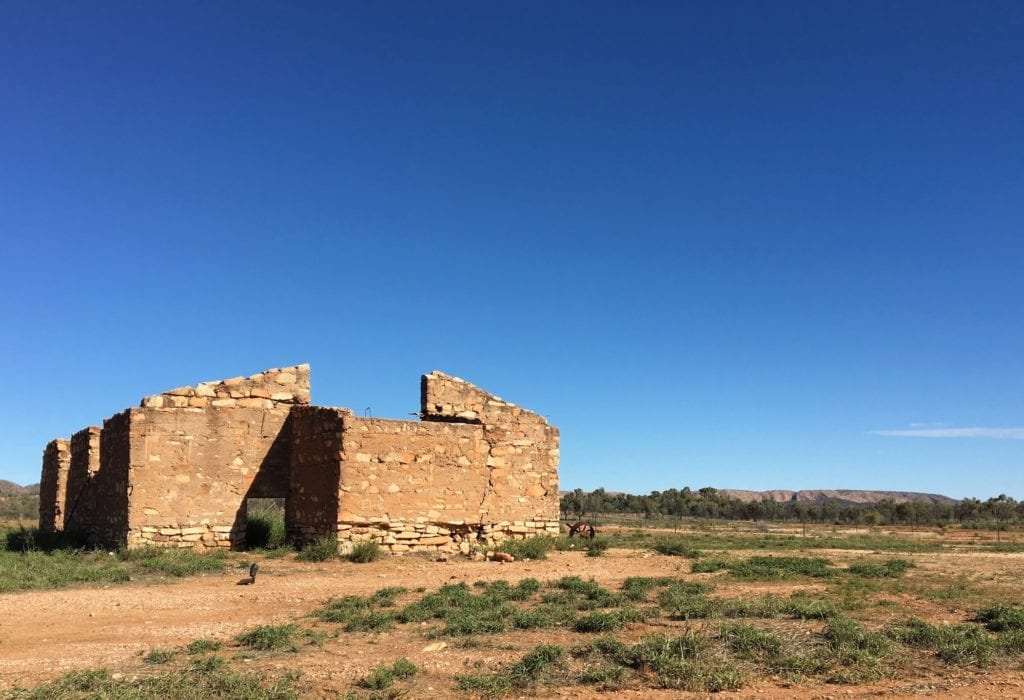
x=1000 y=512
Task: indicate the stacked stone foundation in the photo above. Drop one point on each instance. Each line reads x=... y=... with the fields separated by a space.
x=402 y=536
x=198 y=537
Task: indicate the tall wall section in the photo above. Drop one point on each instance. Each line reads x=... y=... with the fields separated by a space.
x=475 y=470
x=53 y=484
x=80 y=504
x=199 y=452
x=311 y=511
x=523 y=452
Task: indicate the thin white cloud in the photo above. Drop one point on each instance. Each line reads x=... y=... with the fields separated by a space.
x=991 y=433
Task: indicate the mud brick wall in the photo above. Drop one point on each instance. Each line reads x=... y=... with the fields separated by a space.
x=522 y=460
x=53 y=485
x=311 y=510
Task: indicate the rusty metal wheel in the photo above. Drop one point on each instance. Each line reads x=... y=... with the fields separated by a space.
x=583 y=529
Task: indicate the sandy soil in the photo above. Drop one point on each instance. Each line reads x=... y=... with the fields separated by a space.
x=46 y=633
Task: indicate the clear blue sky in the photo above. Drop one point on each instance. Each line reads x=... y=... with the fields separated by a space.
x=728 y=244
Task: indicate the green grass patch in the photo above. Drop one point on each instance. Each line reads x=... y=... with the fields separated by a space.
x=29 y=570
x=748 y=642
x=999 y=617
x=637 y=588
x=853 y=654
x=319 y=550
x=175 y=562
x=159 y=656
x=538 y=667
x=891 y=568
x=363 y=614
x=270 y=638
x=771 y=568
x=384 y=676
x=265 y=530
x=676 y=547
x=208 y=678
x=365 y=552
x=202 y=646
x=530 y=548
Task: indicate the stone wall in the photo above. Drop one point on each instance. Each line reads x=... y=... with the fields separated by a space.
x=523 y=452
x=80 y=501
x=200 y=452
x=476 y=470
x=108 y=503
x=311 y=511
x=177 y=471
x=269 y=389
x=194 y=468
x=53 y=484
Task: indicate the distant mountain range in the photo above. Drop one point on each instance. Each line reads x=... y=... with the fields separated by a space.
x=9 y=488
x=840 y=495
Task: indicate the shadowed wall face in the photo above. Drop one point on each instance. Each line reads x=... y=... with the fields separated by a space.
x=53 y=485
x=193 y=469
x=81 y=506
x=311 y=511
x=200 y=452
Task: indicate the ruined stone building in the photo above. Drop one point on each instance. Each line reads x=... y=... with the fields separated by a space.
x=179 y=469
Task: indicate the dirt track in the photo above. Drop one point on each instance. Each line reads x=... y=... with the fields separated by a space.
x=45 y=633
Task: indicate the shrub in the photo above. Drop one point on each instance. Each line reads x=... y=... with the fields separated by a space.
x=675 y=547
x=269 y=638
x=597 y=547
x=1000 y=617
x=200 y=646
x=893 y=568
x=750 y=642
x=159 y=656
x=365 y=552
x=383 y=676
x=637 y=587
x=265 y=530
x=709 y=566
x=323 y=549
x=530 y=548
x=599 y=622
x=32 y=539
x=606 y=675
x=855 y=654
x=965 y=645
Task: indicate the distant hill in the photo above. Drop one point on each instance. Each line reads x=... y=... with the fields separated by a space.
x=9 y=488
x=840 y=495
